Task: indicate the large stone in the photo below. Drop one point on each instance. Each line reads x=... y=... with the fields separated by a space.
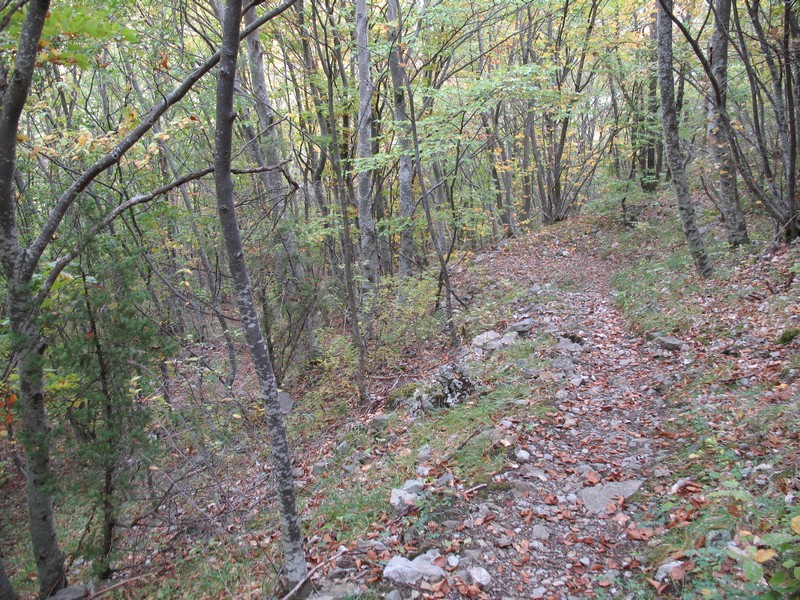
x=413 y=486
x=379 y=423
x=402 y=502
x=523 y=326
x=669 y=342
x=596 y=498
x=72 y=592
x=487 y=341
x=562 y=364
x=480 y=577
x=402 y=571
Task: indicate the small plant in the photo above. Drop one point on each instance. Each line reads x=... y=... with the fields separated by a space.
x=788 y=335
x=774 y=557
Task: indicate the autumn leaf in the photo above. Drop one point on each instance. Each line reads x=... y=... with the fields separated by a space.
x=763 y=555
x=795 y=524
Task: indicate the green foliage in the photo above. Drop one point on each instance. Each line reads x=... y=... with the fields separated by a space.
x=788 y=335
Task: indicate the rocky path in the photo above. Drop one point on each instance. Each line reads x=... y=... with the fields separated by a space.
x=563 y=519
x=568 y=525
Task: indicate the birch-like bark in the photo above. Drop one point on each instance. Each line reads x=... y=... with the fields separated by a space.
x=672 y=144
x=366 y=224
x=295 y=567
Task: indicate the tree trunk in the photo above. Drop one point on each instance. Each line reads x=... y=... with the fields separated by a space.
x=721 y=158
x=7 y=591
x=295 y=567
x=402 y=124
x=672 y=144
x=366 y=224
x=23 y=313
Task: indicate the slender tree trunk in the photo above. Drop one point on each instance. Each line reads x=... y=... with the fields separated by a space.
x=402 y=123
x=366 y=224
x=295 y=564
x=7 y=591
x=672 y=144
x=23 y=314
x=721 y=158
x=293 y=274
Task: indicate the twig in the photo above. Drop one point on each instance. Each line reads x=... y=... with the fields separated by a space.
x=311 y=573
x=462 y=444
x=473 y=489
x=119 y=584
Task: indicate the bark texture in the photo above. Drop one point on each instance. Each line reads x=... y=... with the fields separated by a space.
x=295 y=567
x=721 y=156
x=366 y=224
x=405 y=175
x=672 y=144
x=34 y=430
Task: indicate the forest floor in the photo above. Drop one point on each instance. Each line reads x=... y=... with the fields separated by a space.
x=638 y=437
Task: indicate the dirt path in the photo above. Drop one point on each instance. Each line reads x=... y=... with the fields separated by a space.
x=566 y=526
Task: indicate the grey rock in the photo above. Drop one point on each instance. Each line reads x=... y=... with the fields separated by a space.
x=298 y=472
x=486 y=339
x=718 y=538
x=286 y=402
x=402 y=571
x=379 y=423
x=413 y=486
x=661 y=472
x=663 y=571
x=523 y=456
x=318 y=468
x=72 y=592
x=669 y=342
x=480 y=577
x=393 y=595
x=402 y=502
x=522 y=326
x=540 y=532
x=423 y=471
x=425 y=453
x=342 y=447
x=538 y=593
x=595 y=498
x=562 y=364
x=453 y=560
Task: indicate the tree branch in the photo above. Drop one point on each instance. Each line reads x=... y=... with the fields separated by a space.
x=69 y=196
x=62 y=262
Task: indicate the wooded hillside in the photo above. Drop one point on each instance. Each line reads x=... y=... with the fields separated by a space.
x=270 y=265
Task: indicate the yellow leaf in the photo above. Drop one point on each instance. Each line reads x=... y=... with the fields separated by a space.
x=762 y=555
x=796 y=524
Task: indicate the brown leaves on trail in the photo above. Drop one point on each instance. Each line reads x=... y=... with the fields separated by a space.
x=634 y=533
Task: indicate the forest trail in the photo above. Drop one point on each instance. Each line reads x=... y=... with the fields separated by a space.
x=567 y=526
x=563 y=517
